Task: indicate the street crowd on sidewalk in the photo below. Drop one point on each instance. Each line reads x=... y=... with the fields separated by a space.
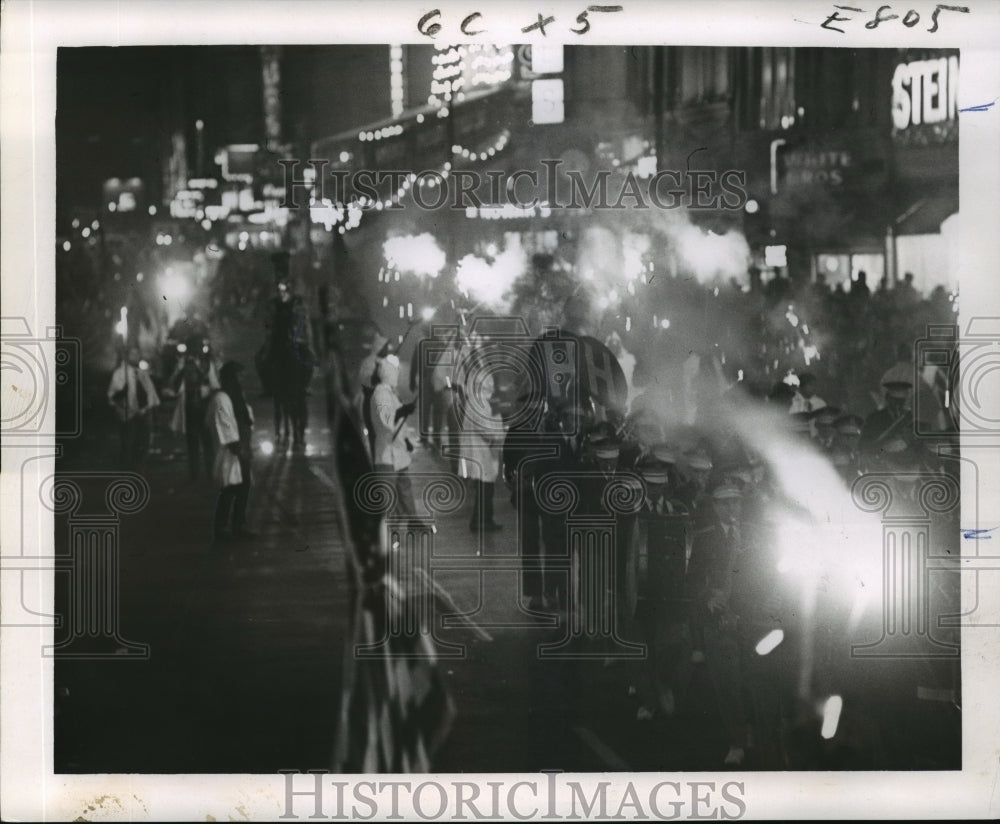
x=209 y=410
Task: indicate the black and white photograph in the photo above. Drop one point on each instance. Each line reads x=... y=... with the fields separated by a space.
x=572 y=411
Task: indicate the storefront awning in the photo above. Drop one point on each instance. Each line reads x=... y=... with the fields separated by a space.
x=924 y=215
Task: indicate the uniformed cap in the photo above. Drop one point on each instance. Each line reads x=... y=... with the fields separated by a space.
x=726 y=491
x=740 y=474
x=825 y=416
x=848 y=425
x=607 y=452
x=898 y=377
x=653 y=471
x=699 y=460
x=665 y=452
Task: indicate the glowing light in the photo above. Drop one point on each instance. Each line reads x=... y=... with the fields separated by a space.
x=85 y=232
x=266 y=448
x=831 y=716
x=628 y=324
x=67 y=245
x=427 y=313
x=76 y=225
x=489 y=282
x=769 y=642
x=122 y=326
x=139 y=277
x=776 y=256
x=143 y=364
x=710 y=256
x=173 y=285
x=664 y=324
x=418 y=255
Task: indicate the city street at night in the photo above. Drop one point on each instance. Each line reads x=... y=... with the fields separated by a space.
x=485 y=408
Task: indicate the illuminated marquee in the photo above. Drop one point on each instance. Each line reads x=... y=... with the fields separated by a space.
x=925 y=91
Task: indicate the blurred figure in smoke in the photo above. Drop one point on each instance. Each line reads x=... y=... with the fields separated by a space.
x=781 y=394
x=664 y=531
x=696 y=468
x=859 y=289
x=845 y=453
x=805 y=398
x=132 y=395
x=429 y=377
x=483 y=436
x=290 y=363
x=366 y=381
x=392 y=448
x=625 y=359
x=887 y=439
x=716 y=574
x=824 y=430
x=929 y=405
x=194 y=379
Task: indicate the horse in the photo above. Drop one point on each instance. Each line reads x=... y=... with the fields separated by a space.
x=292 y=368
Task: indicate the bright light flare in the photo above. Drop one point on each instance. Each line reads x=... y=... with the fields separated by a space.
x=490 y=282
x=122 y=326
x=831 y=716
x=174 y=286
x=770 y=642
x=710 y=256
x=418 y=255
x=266 y=448
x=427 y=313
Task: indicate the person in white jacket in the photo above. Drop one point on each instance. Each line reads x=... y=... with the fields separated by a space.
x=392 y=446
x=229 y=419
x=482 y=440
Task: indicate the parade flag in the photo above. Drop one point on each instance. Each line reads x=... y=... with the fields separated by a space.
x=395 y=709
